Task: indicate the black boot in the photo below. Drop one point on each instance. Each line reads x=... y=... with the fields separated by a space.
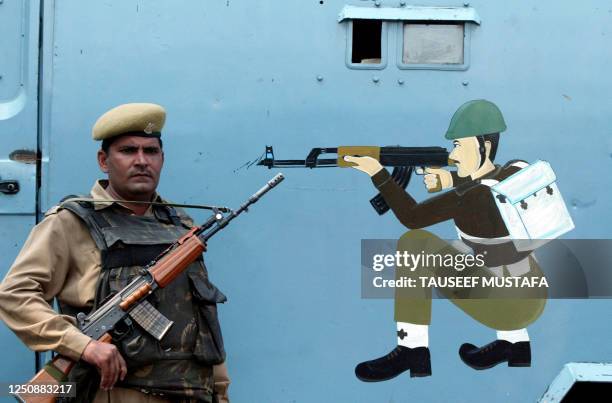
x=485 y=357
x=401 y=359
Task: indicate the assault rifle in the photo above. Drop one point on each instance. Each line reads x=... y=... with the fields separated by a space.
x=130 y=302
x=402 y=159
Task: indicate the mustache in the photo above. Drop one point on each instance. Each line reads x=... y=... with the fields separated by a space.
x=141 y=173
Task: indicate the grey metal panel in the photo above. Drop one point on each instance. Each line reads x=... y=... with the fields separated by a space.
x=434 y=44
x=467 y=39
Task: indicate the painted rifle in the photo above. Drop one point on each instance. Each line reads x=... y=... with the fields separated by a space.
x=403 y=160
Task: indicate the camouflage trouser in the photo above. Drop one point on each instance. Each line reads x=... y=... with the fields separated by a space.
x=506 y=309
x=118 y=394
x=126 y=395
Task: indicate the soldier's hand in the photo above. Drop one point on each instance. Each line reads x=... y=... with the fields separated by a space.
x=437 y=179
x=368 y=165
x=108 y=360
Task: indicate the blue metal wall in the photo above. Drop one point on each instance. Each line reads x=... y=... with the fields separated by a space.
x=236 y=75
x=19 y=28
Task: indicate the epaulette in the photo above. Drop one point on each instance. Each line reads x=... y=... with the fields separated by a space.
x=53 y=210
x=59 y=206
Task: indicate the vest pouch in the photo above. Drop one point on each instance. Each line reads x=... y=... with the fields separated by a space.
x=167 y=366
x=209 y=345
x=137 y=346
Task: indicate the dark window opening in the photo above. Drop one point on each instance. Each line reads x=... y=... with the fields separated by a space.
x=367 y=35
x=584 y=391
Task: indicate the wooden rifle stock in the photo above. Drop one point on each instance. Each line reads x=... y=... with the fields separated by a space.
x=161 y=272
x=171 y=265
x=164 y=271
x=53 y=373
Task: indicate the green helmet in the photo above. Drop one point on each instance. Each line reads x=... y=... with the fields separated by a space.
x=476 y=118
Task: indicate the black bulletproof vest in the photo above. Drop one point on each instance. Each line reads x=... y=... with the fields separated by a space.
x=181 y=363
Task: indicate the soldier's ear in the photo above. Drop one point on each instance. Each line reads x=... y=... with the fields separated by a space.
x=487 y=145
x=102 y=156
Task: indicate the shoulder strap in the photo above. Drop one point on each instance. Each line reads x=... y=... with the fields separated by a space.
x=489 y=182
x=167 y=214
x=176 y=215
x=184 y=217
x=520 y=164
x=94 y=222
x=517 y=163
x=71 y=197
x=54 y=209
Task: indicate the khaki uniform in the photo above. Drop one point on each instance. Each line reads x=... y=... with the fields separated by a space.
x=501 y=309
x=60 y=259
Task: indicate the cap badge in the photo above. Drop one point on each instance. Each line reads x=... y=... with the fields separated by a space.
x=149 y=128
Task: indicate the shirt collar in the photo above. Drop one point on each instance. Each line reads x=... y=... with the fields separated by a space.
x=492 y=174
x=98 y=192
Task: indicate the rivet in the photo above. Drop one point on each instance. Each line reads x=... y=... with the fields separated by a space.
x=400 y=81
x=402 y=4
x=466 y=4
x=319 y=78
x=377 y=3
x=465 y=83
x=375 y=79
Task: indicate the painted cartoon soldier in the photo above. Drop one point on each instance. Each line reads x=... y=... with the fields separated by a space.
x=474 y=130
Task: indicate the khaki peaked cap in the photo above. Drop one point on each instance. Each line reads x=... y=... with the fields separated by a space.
x=138 y=118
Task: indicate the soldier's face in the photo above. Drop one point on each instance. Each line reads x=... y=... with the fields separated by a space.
x=466 y=155
x=133 y=165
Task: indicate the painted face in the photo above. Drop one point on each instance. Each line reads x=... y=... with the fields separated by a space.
x=467 y=156
x=133 y=165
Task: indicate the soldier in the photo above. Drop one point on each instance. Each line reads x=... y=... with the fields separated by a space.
x=84 y=251
x=474 y=130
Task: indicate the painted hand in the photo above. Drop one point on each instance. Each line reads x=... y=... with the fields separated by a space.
x=437 y=179
x=368 y=165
